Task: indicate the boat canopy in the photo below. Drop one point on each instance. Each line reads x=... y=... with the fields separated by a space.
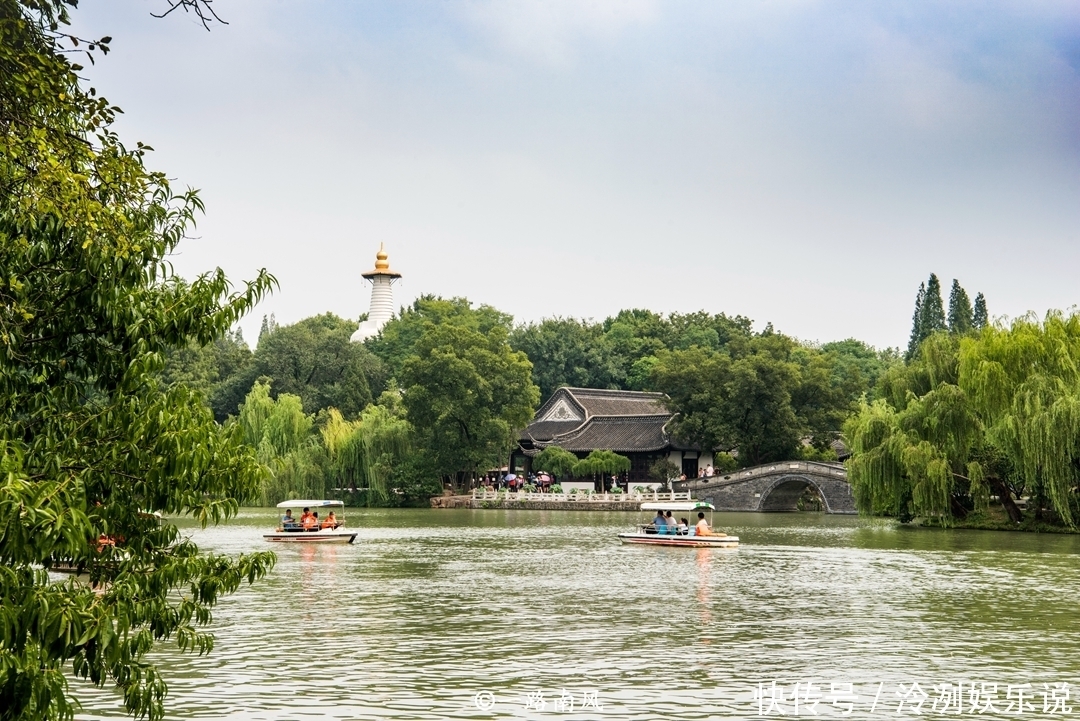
x=309 y=504
x=678 y=506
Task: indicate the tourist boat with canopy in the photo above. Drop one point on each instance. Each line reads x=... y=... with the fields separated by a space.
x=297 y=533
x=657 y=535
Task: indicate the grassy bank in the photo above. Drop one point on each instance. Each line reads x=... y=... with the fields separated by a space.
x=995 y=519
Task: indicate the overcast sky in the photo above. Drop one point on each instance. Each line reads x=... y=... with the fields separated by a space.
x=804 y=163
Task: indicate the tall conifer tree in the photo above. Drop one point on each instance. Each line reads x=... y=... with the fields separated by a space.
x=980 y=318
x=916 y=323
x=933 y=309
x=960 y=312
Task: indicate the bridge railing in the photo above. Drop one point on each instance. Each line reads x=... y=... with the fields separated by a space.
x=765 y=469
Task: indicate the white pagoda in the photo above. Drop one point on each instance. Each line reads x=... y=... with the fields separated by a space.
x=382 y=297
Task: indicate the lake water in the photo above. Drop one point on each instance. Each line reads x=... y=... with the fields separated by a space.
x=474 y=614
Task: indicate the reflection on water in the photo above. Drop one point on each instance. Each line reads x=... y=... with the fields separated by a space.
x=430 y=608
x=704 y=559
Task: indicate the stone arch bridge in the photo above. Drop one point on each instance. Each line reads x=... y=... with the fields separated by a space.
x=774 y=487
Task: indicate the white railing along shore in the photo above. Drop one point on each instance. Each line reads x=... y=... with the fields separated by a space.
x=490 y=494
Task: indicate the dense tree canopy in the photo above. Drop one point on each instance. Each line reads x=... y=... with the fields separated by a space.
x=397 y=341
x=620 y=352
x=765 y=396
x=208 y=369
x=994 y=413
x=467 y=393
x=565 y=352
x=312 y=359
x=90 y=442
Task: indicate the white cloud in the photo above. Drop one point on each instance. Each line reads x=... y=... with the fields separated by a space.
x=553 y=32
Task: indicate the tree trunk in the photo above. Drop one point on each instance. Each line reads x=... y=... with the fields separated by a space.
x=1002 y=491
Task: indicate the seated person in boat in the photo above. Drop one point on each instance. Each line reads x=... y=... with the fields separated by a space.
x=287 y=521
x=311 y=521
x=702 y=528
x=669 y=520
x=684 y=527
x=330 y=522
x=659 y=523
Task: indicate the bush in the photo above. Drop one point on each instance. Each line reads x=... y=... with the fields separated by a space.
x=557 y=488
x=724 y=463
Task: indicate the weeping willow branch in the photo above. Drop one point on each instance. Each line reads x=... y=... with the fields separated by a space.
x=1009 y=392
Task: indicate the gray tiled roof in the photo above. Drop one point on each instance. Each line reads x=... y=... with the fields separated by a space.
x=600 y=402
x=622 y=434
x=621 y=421
x=546 y=430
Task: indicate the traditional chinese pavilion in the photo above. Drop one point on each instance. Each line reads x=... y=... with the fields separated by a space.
x=631 y=423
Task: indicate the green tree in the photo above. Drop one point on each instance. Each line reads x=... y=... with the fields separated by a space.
x=275 y=427
x=281 y=434
x=467 y=393
x=917 y=323
x=761 y=396
x=365 y=452
x=90 y=442
x=857 y=367
x=933 y=310
x=630 y=336
x=980 y=317
x=269 y=325
x=976 y=412
x=555 y=460
x=396 y=342
x=312 y=359
x=960 y=311
x=728 y=404
x=600 y=463
x=664 y=470
x=565 y=352
x=204 y=368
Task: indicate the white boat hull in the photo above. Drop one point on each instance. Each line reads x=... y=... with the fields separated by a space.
x=664 y=539
x=321 y=536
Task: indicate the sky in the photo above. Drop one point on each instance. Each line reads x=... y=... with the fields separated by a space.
x=805 y=163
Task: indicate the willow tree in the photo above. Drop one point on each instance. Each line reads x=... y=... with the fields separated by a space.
x=275 y=428
x=558 y=461
x=280 y=433
x=364 y=452
x=1024 y=383
x=601 y=462
x=90 y=443
x=994 y=413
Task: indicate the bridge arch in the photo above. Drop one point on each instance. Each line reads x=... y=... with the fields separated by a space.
x=775 y=487
x=783 y=493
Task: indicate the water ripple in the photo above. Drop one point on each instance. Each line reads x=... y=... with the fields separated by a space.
x=432 y=607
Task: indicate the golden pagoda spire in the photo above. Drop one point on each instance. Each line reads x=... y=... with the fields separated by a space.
x=382 y=265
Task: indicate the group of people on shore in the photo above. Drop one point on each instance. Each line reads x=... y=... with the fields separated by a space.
x=665 y=523
x=308 y=521
x=703 y=472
